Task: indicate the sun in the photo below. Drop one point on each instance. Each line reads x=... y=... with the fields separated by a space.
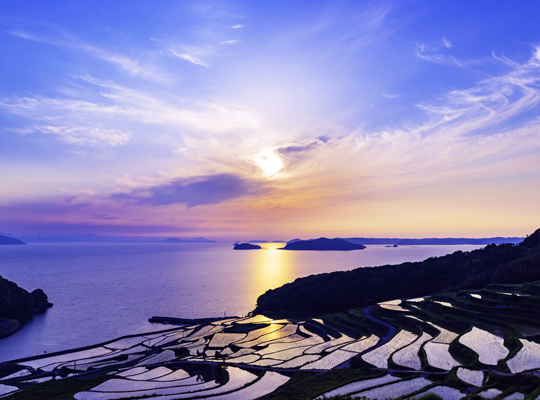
x=269 y=162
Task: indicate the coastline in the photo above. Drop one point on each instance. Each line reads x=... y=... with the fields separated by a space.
x=396 y=349
x=8 y=327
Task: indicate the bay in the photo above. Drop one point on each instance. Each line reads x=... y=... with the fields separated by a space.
x=102 y=291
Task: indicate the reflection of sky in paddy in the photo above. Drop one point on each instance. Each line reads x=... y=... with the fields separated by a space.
x=273 y=335
x=267 y=334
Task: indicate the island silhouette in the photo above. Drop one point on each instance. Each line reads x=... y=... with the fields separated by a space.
x=323 y=244
x=10 y=240
x=246 y=246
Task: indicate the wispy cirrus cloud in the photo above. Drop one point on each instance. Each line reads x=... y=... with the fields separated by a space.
x=192 y=54
x=133 y=66
x=116 y=102
x=89 y=136
x=80 y=135
x=492 y=100
x=428 y=53
x=196 y=54
x=346 y=31
x=447 y=43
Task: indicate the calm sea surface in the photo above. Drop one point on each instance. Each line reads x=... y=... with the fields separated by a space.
x=102 y=291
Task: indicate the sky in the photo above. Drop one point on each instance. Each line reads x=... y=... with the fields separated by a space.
x=270 y=119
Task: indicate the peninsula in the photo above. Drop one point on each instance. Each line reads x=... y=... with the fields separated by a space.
x=323 y=244
x=316 y=295
x=9 y=240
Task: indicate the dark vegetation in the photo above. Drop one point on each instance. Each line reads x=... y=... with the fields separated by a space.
x=246 y=246
x=17 y=303
x=58 y=389
x=323 y=244
x=9 y=240
x=337 y=291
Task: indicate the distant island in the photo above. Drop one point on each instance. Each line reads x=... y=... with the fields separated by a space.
x=93 y=238
x=172 y=240
x=246 y=246
x=195 y=240
x=9 y=240
x=434 y=241
x=427 y=241
x=323 y=244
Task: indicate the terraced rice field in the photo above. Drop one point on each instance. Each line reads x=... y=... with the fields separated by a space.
x=470 y=376
x=416 y=300
x=356 y=387
x=4 y=389
x=528 y=357
x=447 y=393
x=490 y=348
x=445 y=336
x=332 y=360
x=267 y=384
x=392 y=305
x=408 y=356
x=444 y=303
x=438 y=356
x=515 y=396
x=379 y=356
x=331 y=343
x=490 y=393
x=247 y=358
x=362 y=345
x=397 y=389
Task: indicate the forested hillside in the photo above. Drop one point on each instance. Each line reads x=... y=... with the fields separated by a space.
x=336 y=291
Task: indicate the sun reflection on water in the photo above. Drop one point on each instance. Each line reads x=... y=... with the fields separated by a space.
x=272 y=267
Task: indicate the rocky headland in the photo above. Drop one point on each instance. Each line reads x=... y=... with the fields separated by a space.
x=17 y=303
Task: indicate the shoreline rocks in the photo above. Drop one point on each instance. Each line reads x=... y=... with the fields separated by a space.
x=17 y=303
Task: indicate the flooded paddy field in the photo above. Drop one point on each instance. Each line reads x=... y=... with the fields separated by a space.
x=456 y=352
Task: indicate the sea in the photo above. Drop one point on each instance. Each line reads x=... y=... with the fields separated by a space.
x=102 y=291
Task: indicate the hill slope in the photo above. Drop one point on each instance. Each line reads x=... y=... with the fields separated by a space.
x=337 y=291
x=9 y=240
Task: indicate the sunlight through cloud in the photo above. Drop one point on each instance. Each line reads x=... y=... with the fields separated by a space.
x=269 y=162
